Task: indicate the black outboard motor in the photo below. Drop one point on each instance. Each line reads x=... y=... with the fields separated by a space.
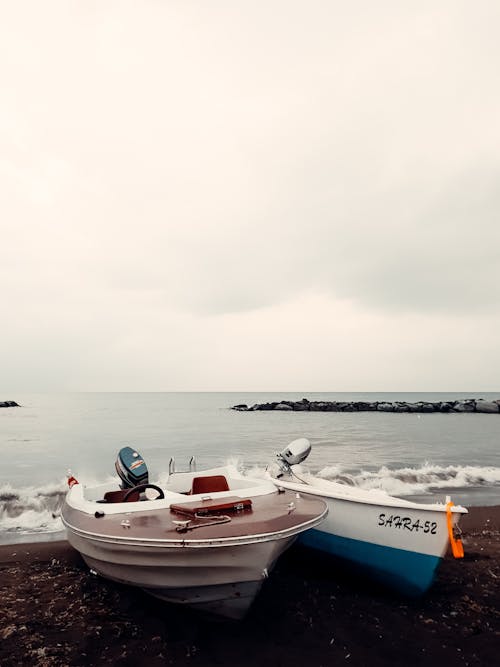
x=131 y=468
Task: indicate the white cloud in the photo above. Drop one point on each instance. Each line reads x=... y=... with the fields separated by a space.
x=177 y=175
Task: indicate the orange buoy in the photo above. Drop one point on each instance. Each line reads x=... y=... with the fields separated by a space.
x=457 y=547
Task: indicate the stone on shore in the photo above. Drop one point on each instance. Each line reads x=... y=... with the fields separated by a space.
x=363 y=406
x=263 y=406
x=300 y=406
x=8 y=404
x=486 y=406
x=465 y=405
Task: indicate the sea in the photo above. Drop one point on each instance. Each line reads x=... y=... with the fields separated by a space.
x=423 y=457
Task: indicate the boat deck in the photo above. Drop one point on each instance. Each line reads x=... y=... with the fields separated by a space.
x=266 y=515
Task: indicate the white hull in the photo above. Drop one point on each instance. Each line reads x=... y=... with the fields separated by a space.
x=222 y=579
x=398 y=541
x=184 y=548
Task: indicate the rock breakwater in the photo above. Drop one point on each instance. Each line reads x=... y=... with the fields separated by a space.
x=464 y=405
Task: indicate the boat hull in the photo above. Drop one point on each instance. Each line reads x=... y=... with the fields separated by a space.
x=216 y=563
x=223 y=583
x=398 y=546
x=408 y=572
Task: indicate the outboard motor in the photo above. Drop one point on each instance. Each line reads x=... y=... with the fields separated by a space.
x=296 y=452
x=131 y=468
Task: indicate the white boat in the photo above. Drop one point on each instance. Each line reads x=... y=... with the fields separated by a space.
x=206 y=539
x=398 y=542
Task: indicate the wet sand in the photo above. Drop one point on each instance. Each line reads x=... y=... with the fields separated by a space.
x=310 y=612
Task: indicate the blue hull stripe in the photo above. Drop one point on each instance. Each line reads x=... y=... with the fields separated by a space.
x=406 y=571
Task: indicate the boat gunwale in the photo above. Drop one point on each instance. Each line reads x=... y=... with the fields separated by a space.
x=393 y=500
x=199 y=543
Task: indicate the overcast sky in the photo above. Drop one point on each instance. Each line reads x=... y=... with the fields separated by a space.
x=245 y=195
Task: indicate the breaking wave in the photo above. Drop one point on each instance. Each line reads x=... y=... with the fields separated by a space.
x=31 y=509
x=412 y=481
x=35 y=510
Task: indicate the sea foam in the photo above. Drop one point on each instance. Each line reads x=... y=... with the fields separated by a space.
x=415 y=480
x=36 y=510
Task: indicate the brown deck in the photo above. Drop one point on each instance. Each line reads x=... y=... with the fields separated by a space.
x=270 y=513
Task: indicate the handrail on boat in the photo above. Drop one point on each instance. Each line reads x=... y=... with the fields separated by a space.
x=172 y=470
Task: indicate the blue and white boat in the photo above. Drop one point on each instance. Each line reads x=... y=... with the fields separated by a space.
x=398 y=542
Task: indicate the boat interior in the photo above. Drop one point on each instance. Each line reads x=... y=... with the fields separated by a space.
x=133 y=486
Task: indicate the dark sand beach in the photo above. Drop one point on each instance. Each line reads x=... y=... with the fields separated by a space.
x=310 y=612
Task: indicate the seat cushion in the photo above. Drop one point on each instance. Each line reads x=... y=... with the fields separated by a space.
x=209 y=484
